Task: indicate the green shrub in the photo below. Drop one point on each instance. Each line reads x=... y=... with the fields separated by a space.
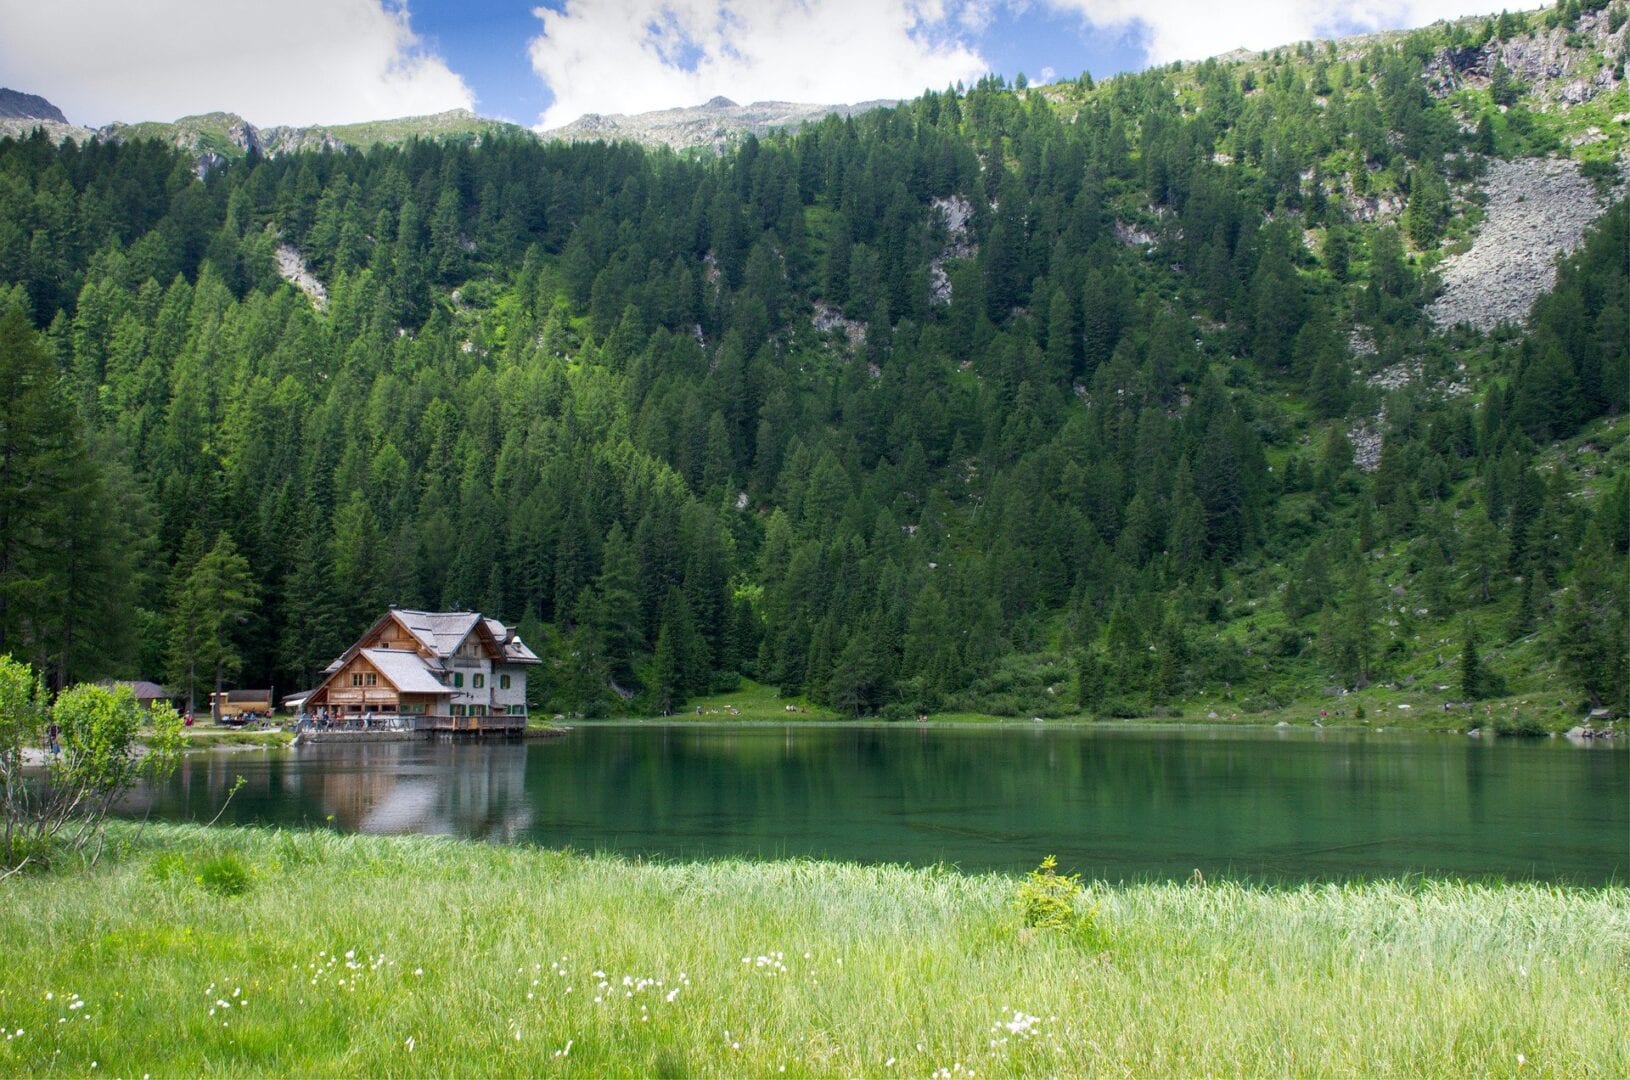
x=1528 y=727
x=1046 y=899
x=224 y=874
x=168 y=866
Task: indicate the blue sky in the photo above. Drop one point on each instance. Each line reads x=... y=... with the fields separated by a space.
x=336 y=61
x=487 y=43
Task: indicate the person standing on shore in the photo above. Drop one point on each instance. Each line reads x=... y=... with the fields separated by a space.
x=52 y=734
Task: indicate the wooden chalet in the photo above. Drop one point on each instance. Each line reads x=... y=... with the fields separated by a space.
x=455 y=671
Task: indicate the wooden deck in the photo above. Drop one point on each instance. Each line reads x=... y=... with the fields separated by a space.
x=385 y=726
x=473 y=725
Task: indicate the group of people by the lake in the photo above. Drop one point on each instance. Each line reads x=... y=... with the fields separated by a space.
x=323 y=720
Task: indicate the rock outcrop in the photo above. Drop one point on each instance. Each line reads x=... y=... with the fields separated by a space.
x=291 y=267
x=1557 y=66
x=16 y=105
x=956 y=213
x=715 y=125
x=22 y=114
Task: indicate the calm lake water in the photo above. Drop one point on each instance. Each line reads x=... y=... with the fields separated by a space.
x=1111 y=803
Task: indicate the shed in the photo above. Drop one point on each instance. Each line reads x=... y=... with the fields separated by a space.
x=147 y=693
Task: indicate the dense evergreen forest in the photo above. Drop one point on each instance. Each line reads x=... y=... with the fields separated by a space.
x=1018 y=400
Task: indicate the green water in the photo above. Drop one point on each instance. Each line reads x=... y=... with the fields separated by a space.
x=1111 y=803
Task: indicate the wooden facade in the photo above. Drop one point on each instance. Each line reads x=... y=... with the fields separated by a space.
x=231 y=706
x=434 y=671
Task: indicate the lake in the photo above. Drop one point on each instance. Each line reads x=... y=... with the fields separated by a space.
x=1111 y=802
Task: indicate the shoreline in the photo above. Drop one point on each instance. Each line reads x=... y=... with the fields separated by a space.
x=1608 y=737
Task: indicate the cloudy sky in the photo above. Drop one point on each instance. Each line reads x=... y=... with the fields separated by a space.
x=333 y=61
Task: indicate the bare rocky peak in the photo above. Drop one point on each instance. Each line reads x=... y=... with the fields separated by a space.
x=16 y=105
x=22 y=114
x=715 y=124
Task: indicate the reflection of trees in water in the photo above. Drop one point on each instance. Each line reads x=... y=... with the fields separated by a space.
x=1110 y=802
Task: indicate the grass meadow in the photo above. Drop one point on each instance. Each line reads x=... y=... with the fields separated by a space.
x=189 y=950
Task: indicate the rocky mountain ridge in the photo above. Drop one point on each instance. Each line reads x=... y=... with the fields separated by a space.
x=16 y=105
x=221 y=136
x=714 y=124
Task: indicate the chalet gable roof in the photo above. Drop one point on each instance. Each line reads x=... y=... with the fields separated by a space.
x=405 y=670
x=442 y=632
x=515 y=651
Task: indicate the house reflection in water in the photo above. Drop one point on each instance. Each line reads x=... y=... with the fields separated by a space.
x=471 y=789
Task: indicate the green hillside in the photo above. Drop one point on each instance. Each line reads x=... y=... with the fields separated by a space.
x=1120 y=398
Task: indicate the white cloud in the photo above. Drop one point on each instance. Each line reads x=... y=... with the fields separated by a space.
x=1194 y=29
x=625 y=56
x=271 y=61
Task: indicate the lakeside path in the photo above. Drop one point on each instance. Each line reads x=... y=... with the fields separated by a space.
x=233 y=951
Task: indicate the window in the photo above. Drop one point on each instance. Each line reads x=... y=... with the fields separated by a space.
x=373 y=680
x=517 y=710
x=458 y=678
x=356 y=678
x=479 y=681
x=458 y=710
x=503 y=682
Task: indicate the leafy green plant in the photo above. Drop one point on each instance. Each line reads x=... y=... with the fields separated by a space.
x=168 y=866
x=224 y=874
x=1046 y=898
x=99 y=760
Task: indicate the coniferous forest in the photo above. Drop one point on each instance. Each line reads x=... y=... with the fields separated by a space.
x=1005 y=399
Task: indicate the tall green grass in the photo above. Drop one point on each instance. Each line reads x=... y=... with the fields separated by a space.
x=345 y=955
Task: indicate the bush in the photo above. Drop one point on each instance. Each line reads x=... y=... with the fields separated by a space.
x=1046 y=899
x=1523 y=726
x=99 y=762
x=168 y=866
x=223 y=874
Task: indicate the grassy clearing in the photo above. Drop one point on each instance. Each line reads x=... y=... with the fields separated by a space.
x=207 y=739
x=198 y=951
x=750 y=702
x=1379 y=708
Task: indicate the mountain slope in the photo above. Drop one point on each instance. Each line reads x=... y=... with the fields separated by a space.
x=1121 y=397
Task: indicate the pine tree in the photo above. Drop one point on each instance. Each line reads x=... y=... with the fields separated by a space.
x=1329 y=386
x=1593 y=625
x=211 y=608
x=41 y=460
x=1090 y=682
x=1471 y=665
x=859 y=673
x=667 y=680
x=614 y=615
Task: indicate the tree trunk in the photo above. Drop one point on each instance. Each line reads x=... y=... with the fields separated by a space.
x=215 y=699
